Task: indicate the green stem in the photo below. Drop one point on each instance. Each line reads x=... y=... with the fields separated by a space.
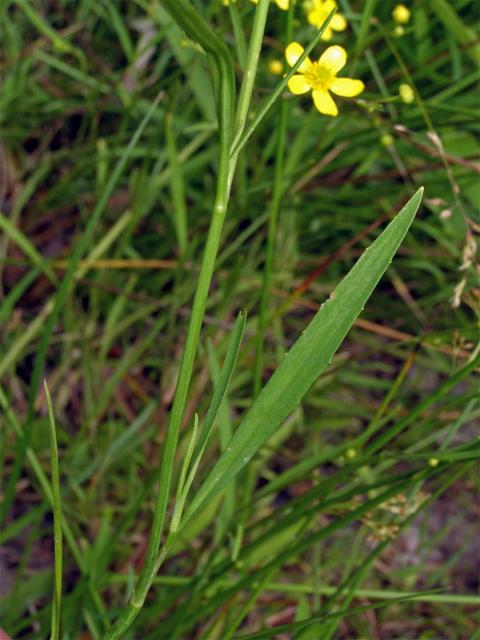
x=195 y=27
x=185 y=373
x=271 y=236
x=246 y=89
x=239 y=34
x=241 y=140
x=248 y=80
x=272 y=230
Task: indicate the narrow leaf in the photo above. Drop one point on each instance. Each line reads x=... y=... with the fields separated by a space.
x=182 y=489
x=177 y=187
x=344 y=613
x=308 y=357
x=218 y=395
x=223 y=382
x=57 y=521
x=21 y=240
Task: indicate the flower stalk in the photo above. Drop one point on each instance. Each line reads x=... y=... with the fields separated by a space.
x=222 y=67
x=272 y=229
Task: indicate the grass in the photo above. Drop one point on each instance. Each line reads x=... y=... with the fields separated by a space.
x=57 y=522
x=173 y=220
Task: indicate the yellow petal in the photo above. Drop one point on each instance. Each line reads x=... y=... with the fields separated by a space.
x=346 y=87
x=338 y=22
x=327 y=34
x=324 y=102
x=293 y=53
x=298 y=84
x=282 y=4
x=315 y=11
x=333 y=59
x=311 y=18
x=326 y=7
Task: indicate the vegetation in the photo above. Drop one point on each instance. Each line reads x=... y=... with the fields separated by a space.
x=239 y=311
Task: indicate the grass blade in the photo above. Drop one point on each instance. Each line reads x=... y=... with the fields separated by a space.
x=303 y=624
x=309 y=356
x=60 y=299
x=57 y=521
x=177 y=187
x=28 y=248
x=462 y=33
x=8 y=303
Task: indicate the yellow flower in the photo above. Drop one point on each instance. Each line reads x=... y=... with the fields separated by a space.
x=406 y=93
x=281 y=4
x=275 y=67
x=401 y=14
x=321 y=77
x=318 y=11
x=399 y=31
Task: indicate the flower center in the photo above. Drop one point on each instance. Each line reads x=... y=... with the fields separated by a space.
x=319 y=77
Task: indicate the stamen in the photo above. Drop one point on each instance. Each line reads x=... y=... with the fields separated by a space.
x=319 y=76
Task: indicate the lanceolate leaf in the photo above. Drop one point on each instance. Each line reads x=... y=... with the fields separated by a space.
x=308 y=357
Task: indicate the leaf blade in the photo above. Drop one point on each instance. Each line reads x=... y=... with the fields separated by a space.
x=308 y=357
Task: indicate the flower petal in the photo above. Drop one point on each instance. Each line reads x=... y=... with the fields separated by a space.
x=282 y=4
x=293 y=53
x=327 y=6
x=327 y=34
x=318 y=10
x=324 y=102
x=338 y=22
x=298 y=84
x=346 y=87
x=312 y=18
x=333 y=58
